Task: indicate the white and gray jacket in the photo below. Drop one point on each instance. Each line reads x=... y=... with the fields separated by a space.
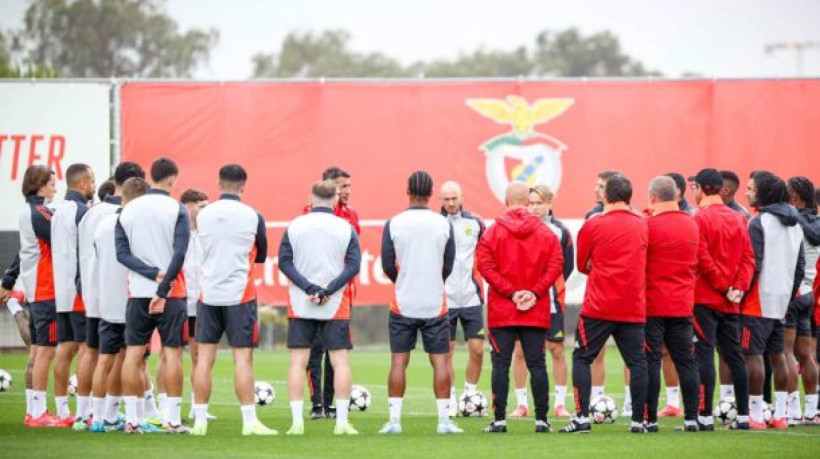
x=64 y=247
x=464 y=285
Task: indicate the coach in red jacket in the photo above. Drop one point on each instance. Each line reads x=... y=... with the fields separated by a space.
x=612 y=251
x=521 y=260
x=671 y=273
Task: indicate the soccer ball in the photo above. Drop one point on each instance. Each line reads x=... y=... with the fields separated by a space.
x=5 y=381
x=726 y=410
x=767 y=413
x=263 y=393
x=472 y=404
x=72 y=385
x=603 y=410
x=359 y=398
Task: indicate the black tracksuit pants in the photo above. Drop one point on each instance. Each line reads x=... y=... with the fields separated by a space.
x=533 y=342
x=320 y=394
x=677 y=334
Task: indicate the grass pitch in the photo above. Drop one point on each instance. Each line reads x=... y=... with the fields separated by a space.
x=419 y=439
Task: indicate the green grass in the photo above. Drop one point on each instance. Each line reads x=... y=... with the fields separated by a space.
x=419 y=440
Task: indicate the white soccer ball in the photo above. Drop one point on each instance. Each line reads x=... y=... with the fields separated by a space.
x=472 y=404
x=603 y=410
x=768 y=415
x=359 y=398
x=5 y=381
x=726 y=410
x=263 y=393
x=72 y=385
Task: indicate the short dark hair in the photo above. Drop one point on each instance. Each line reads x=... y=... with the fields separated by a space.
x=420 y=184
x=36 y=177
x=125 y=170
x=162 y=168
x=192 y=195
x=134 y=188
x=759 y=172
x=680 y=182
x=324 y=189
x=730 y=176
x=618 y=189
x=106 y=189
x=233 y=173
x=608 y=174
x=804 y=189
x=332 y=173
x=769 y=189
x=75 y=173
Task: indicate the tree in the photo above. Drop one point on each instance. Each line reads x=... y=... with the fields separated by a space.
x=103 y=38
x=327 y=54
x=480 y=63
x=10 y=70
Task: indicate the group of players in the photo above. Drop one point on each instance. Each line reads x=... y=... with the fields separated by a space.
x=100 y=279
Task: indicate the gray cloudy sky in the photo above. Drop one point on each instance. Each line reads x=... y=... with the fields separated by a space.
x=720 y=38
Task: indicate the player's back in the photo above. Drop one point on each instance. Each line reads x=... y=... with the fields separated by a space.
x=419 y=238
x=227 y=235
x=86 y=230
x=111 y=277
x=64 y=249
x=671 y=270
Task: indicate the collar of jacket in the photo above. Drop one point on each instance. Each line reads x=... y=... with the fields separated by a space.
x=660 y=207
x=712 y=200
x=75 y=196
x=230 y=196
x=158 y=191
x=111 y=199
x=37 y=200
x=324 y=210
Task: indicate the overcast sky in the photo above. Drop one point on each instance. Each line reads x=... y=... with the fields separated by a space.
x=719 y=38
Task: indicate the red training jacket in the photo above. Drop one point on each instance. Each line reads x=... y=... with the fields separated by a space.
x=725 y=256
x=671 y=264
x=612 y=251
x=517 y=253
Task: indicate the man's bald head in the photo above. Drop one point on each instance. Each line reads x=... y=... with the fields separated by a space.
x=517 y=194
x=451 y=186
x=451 y=197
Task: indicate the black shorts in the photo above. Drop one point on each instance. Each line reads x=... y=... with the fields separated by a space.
x=435 y=334
x=44 y=318
x=189 y=334
x=799 y=315
x=556 y=331
x=238 y=322
x=92 y=333
x=71 y=327
x=760 y=336
x=332 y=335
x=112 y=338
x=140 y=325
x=472 y=322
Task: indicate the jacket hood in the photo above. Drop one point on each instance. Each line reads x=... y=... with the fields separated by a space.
x=519 y=222
x=787 y=214
x=808 y=220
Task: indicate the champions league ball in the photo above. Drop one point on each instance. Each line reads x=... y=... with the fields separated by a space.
x=72 y=385
x=726 y=410
x=5 y=381
x=603 y=410
x=472 y=404
x=263 y=393
x=359 y=398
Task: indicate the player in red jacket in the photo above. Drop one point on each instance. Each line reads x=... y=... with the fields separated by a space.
x=671 y=272
x=521 y=259
x=612 y=252
x=725 y=265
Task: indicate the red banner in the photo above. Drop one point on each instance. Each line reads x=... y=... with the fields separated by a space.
x=481 y=134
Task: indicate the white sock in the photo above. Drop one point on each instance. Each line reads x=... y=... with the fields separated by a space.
x=248 y=414
x=141 y=409
x=597 y=391
x=38 y=403
x=756 y=408
x=793 y=408
x=151 y=411
x=780 y=398
x=560 y=395
x=191 y=413
x=811 y=406
x=453 y=395
x=83 y=406
x=174 y=409
x=627 y=399
x=521 y=397
x=296 y=409
x=162 y=406
x=442 y=404
x=98 y=409
x=673 y=396
x=395 y=408
x=30 y=404
x=727 y=390
x=112 y=408
x=62 y=406
x=342 y=407
x=470 y=387
x=200 y=413
x=131 y=415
